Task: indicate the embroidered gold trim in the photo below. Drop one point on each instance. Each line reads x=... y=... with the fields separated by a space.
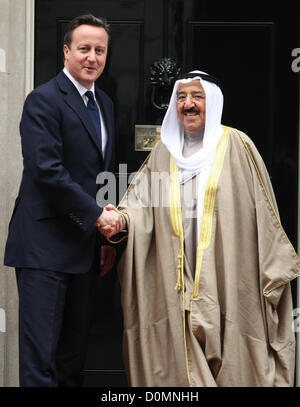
x=134 y=178
x=176 y=218
x=123 y=237
x=209 y=202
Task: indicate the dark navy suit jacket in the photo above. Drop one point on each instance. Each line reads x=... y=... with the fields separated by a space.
x=52 y=222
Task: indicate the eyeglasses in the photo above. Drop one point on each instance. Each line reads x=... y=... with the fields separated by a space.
x=181 y=98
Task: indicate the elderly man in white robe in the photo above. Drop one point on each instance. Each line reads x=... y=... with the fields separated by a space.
x=206 y=271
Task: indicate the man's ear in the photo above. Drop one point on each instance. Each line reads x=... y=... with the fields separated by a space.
x=66 y=50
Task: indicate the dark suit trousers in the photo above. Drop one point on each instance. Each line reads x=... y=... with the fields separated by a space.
x=54 y=320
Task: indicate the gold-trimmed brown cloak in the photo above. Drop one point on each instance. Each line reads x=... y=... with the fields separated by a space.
x=231 y=324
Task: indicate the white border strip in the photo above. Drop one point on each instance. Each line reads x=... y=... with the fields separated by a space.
x=298 y=280
x=297 y=383
x=2 y=320
x=29 y=47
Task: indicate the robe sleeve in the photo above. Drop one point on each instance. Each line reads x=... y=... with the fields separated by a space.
x=278 y=265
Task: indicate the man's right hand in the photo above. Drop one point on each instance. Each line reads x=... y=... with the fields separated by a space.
x=109 y=222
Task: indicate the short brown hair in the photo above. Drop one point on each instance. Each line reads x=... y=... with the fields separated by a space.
x=87 y=19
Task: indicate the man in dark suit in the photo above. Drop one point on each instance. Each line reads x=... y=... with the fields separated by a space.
x=67 y=140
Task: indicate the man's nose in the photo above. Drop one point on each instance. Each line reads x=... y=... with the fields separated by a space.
x=189 y=101
x=92 y=55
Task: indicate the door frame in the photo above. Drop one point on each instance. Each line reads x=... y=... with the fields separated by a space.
x=29 y=46
x=29 y=84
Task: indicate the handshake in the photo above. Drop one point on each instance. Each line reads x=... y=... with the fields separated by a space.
x=110 y=222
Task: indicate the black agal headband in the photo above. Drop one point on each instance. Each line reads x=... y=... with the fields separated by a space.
x=204 y=76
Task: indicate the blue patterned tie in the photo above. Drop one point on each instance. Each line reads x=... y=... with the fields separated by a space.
x=94 y=113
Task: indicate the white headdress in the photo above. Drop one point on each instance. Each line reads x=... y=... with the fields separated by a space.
x=172 y=132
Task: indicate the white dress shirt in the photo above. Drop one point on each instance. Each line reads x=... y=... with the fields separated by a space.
x=81 y=89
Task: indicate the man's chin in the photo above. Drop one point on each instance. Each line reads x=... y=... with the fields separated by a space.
x=191 y=127
x=87 y=80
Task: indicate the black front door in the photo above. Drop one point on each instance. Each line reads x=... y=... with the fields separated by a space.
x=248 y=45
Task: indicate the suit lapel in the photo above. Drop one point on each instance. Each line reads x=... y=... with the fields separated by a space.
x=75 y=102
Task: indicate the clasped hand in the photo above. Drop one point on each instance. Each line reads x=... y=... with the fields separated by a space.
x=110 y=221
